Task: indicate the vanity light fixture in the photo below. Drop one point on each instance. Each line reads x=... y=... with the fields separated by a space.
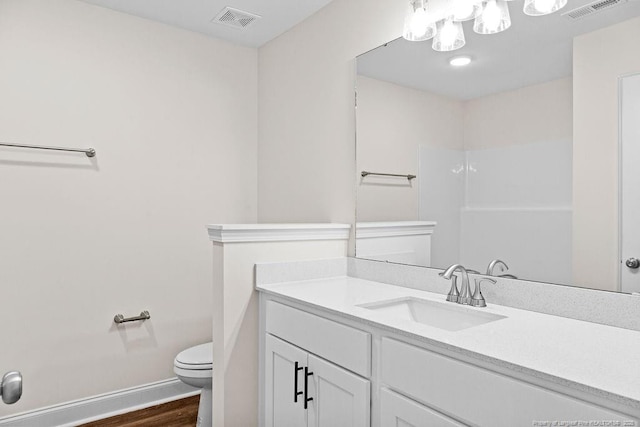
x=417 y=24
x=466 y=10
x=449 y=36
x=460 y=61
x=494 y=18
x=442 y=19
x=543 y=7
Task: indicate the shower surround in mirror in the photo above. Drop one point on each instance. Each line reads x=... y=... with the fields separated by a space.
x=518 y=169
x=481 y=187
x=490 y=210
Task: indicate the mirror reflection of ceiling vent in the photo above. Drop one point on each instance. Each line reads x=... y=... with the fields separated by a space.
x=235 y=18
x=591 y=8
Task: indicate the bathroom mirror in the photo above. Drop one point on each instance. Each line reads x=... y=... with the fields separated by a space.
x=517 y=156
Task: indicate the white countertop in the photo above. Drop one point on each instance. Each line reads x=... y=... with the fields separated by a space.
x=597 y=359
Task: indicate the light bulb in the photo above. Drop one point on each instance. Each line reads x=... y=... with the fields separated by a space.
x=448 y=33
x=543 y=7
x=464 y=10
x=449 y=36
x=491 y=15
x=420 y=22
x=494 y=18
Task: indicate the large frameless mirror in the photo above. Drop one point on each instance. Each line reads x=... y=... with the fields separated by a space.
x=519 y=146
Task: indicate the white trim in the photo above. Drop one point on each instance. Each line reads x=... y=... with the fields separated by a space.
x=390 y=256
x=241 y=233
x=620 y=201
x=369 y=230
x=103 y=406
x=620 y=182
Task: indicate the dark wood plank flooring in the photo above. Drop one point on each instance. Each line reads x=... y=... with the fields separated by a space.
x=179 y=413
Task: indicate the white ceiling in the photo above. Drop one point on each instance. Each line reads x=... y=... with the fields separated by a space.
x=533 y=50
x=278 y=16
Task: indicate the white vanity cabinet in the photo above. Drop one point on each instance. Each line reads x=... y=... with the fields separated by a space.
x=475 y=395
x=303 y=389
x=397 y=410
x=282 y=384
x=363 y=375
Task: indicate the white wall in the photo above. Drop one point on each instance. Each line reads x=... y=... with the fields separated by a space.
x=306 y=162
x=173 y=117
x=531 y=114
x=599 y=59
x=393 y=122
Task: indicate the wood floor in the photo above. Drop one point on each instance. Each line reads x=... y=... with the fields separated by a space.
x=179 y=413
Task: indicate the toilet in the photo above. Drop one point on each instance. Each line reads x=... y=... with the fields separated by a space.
x=194 y=366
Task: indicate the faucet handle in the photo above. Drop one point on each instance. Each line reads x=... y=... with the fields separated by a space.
x=453 y=294
x=477 y=300
x=493 y=264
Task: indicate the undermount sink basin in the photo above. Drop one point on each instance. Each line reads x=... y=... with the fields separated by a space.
x=443 y=315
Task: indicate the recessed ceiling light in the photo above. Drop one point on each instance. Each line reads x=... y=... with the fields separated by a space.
x=460 y=61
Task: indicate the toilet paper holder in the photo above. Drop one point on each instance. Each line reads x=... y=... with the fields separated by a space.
x=119 y=318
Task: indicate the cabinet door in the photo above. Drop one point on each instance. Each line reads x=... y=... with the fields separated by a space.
x=477 y=396
x=340 y=398
x=281 y=379
x=398 y=411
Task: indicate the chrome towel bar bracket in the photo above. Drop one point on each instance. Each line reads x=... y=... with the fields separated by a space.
x=119 y=318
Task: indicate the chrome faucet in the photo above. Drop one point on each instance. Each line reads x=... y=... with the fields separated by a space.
x=464 y=296
x=495 y=263
x=477 y=300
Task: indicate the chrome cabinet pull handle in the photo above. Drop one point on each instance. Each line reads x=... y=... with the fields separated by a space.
x=296 y=393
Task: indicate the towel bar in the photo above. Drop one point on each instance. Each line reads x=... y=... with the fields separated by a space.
x=119 y=318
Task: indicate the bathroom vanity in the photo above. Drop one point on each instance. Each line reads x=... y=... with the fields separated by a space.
x=345 y=351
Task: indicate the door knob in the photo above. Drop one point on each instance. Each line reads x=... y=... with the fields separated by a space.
x=633 y=263
x=11 y=387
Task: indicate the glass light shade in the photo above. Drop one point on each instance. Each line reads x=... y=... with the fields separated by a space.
x=494 y=18
x=418 y=26
x=465 y=10
x=543 y=7
x=449 y=36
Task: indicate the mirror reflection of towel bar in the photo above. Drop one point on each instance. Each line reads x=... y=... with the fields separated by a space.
x=409 y=177
x=89 y=152
x=119 y=318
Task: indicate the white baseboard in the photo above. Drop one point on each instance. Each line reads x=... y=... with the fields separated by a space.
x=103 y=406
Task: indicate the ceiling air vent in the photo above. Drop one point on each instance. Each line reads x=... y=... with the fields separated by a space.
x=590 y=9
x=235 y=18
